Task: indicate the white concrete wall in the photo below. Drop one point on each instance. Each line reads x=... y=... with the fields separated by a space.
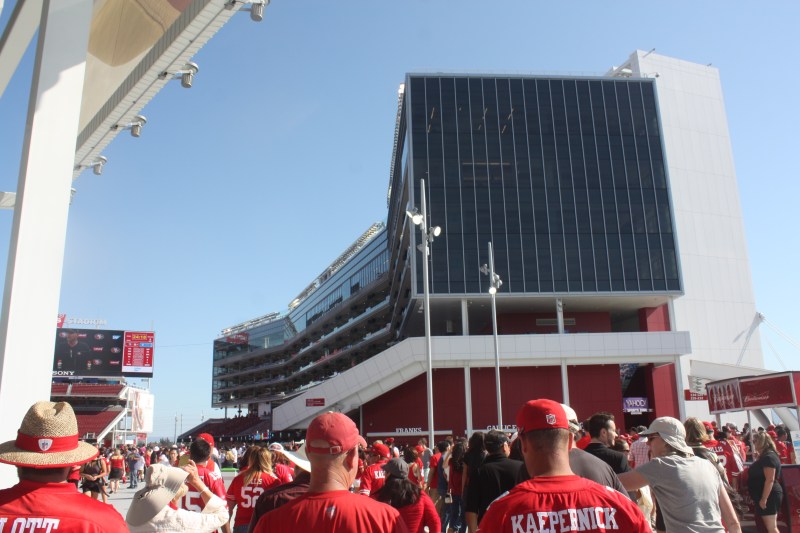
x=719 y=304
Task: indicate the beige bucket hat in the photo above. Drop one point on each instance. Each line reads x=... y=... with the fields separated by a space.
x=162 y=483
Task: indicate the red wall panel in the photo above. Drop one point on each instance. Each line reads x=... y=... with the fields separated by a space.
x=664 y=391
x=406 y=406
x=594 y=388
x=517 y=386
x=654 y=318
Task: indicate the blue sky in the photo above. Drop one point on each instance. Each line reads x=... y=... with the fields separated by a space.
x=242 y=189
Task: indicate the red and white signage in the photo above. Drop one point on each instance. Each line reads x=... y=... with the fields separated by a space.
x=724 y=396
x=315 y=402
x=692 y=396
x=137 y=355
x=767 y=391
x=238 y=338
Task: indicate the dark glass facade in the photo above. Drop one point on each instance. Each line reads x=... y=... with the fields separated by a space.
x=565 y=176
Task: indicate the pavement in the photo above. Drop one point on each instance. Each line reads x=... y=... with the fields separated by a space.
x=122 y=500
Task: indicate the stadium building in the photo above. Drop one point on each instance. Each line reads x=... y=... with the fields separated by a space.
x=612 y=207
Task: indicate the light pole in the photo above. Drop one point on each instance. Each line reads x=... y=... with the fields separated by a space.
x=419 y=218
x=494 y=283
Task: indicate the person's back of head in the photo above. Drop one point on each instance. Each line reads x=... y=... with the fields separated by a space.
x=696 y=433
x=495 y=441
x=200 y=451
x=544 y=427
x=442 y=446
x=398 y=492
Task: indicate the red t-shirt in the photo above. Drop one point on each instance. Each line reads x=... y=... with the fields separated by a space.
x=563 y=503
x=415 y=473
x=244 y=497
x=434 y=470
x=456 y=481
x=55 y=507
x=284 y=473
x=373 y=479
x=725 y=457
x=118 y=462
x=330 y=512
x=421 y=514
x=213 y=480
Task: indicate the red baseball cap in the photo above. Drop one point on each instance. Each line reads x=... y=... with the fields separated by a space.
x=541 y=414
x=381 y=450
x=708 y=426
x=208 y=438
x=337 y=430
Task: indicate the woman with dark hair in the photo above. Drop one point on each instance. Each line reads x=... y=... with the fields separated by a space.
x=458 y=470
x=474 y=456
x=414 y=466
x=248 y=486
x=762 y=481
x=400 y=492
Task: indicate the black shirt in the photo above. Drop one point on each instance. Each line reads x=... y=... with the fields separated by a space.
x=756 y=479
x=497 y=475
x=590 y=467
x=616 y=460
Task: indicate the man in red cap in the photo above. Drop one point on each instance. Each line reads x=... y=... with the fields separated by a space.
x=373 y=478
x=332 y=445
x=45 y=449
x=555 y=499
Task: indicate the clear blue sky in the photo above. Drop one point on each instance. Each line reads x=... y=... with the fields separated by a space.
x=242 y=189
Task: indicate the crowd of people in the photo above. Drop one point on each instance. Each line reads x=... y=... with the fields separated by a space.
x=554 y=474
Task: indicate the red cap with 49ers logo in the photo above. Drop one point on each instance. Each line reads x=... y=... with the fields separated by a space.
x=541 y=414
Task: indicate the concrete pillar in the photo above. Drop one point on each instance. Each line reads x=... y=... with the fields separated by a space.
x=560 y=316
x=36 y=251
x=464 y=317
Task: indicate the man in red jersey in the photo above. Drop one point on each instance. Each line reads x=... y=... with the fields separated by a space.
x=555 y=499
x=373 y=478
x=45 y=448
x=332 y=443
x=200 y=453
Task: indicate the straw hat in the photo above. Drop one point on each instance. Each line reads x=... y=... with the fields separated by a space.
x=162 y=483
x=47 y=438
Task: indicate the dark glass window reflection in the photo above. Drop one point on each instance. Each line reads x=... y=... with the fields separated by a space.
x=565 y=177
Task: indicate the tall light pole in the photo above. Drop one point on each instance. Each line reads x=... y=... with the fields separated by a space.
x=494 y=283
x=419 y=218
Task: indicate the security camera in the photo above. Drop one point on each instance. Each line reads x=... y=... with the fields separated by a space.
x=187 y=74
x=137 y=124
x=257 y=11
x=97 y=165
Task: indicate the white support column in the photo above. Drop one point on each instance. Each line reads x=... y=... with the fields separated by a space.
x=464 y=317
x=679 y=386
x=560 y=316
x=564 y=382
x=36 y=251
x=468 y=400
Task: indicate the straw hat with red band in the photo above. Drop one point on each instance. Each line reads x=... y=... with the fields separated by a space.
x=332 y=434
x=47 y=438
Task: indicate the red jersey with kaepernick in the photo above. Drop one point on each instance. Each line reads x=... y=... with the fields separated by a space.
x=33 y=507
x=563 y=503
x=373 y=479
x=323 y=512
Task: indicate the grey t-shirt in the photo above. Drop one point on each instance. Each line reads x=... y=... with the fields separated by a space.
x=687 y=490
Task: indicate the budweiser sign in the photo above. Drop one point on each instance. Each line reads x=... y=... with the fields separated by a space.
x=767 y=391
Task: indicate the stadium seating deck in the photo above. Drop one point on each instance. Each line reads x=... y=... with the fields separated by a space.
x=96 y=421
